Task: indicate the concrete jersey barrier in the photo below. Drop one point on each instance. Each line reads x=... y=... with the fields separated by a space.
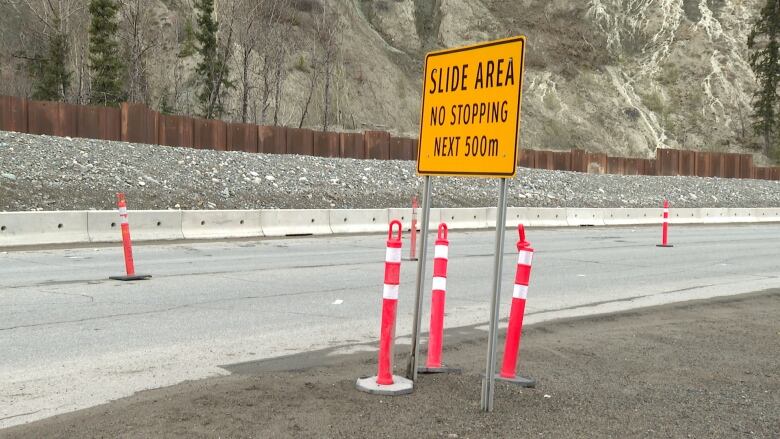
x=295 y=222
x=358 y=220
x=36 y=228
x=744 y=215
x=714 y=215
x=514 y=216
x=684 y=216
x=546 y=217
x=43 y=228
x=405 y=216
x=632 y=216
x=584 y=217
x=204 y=224
x=766 y=215
x=475 y=218
x=145 y=225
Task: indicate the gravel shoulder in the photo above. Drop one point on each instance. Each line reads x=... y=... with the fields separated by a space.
x=57 y=173
x=696 y=369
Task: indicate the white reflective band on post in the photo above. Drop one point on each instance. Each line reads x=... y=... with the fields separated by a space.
x=666 y=210
x=439 y=283
x=122 y=211
x=124 y=220
x=393 y=254
x=520 y=292
x=442 y=252
x=524 y=257
x=390 y=292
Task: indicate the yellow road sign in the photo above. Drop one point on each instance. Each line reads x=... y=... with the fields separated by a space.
x=470 y=117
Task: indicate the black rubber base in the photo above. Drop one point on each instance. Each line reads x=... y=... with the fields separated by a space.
x=661 y=245
x=443 y=369
x=518 y=380
x=131 y=278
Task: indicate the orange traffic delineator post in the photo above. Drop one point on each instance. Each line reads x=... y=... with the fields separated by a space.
x=439 y=290
x=515 y=330
x=127 y=244
x=385 y=383
x=665 y=231
x=413 y=243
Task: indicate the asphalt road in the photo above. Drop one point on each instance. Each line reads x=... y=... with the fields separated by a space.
x=70 y=338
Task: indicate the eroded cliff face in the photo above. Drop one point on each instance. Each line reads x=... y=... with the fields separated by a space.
x=620 y=76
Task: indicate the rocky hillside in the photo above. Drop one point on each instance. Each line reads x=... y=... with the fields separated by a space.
x=619 y=76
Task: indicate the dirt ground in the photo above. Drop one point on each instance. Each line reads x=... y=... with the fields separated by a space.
x=698 y=369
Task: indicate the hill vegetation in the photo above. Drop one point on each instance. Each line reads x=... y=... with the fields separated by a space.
x=604 y=75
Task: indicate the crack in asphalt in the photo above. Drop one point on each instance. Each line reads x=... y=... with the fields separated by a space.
x=200 y=273
x=20 y=414
x=91 y=299
x=174 y=308
x=585 y=261
x=55 y=283
x=299 y=267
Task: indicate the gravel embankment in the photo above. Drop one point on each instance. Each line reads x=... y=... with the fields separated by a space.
x=54 y=173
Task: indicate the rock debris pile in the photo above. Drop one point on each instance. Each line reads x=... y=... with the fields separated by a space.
x=55 y=173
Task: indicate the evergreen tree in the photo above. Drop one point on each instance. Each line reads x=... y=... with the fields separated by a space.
x=188 y=45
x=165 y=102
x=51 y=78
x=764 y=43
x=107 y=69
x=212 y=71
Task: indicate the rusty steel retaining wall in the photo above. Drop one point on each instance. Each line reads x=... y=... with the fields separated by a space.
x=137 y=123
x=667 y=162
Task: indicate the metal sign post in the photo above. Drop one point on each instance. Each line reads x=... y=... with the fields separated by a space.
x=488 y=382
x=470 y=127
x=411 y=367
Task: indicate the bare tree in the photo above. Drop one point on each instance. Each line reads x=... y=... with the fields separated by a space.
x=278 y=80
x=47 y=33
x=312 y=84
x=260 y=37
x=327 y=34
x=274 y=49
x=225 y=42
x=247 y=39
x=319 y=23
x=53 y=17
x=172 y=86
x=324 y=54
x=83 y=78
x=5 y=50
x=140 y=37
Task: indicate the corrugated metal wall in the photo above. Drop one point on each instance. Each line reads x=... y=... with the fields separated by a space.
x=139 y=124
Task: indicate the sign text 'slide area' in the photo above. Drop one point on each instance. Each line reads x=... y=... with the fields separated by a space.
x=471 y=110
